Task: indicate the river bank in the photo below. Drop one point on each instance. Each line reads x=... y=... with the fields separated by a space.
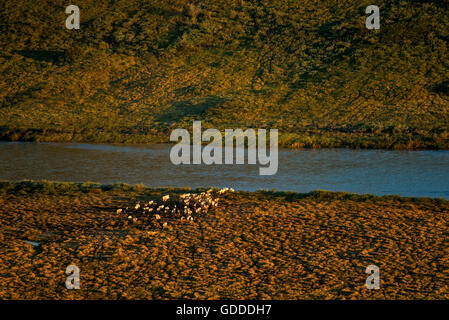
x=345 y=137
x=254 y=245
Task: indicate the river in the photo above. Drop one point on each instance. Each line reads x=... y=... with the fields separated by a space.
x=378 y=172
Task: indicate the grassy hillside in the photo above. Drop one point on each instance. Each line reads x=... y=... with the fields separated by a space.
x=137 y=69
x=260 y=245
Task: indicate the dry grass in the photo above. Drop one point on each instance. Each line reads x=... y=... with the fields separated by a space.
x=255 y=245
x=136 y=70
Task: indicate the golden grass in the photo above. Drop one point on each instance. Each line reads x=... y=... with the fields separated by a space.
x=260 y=245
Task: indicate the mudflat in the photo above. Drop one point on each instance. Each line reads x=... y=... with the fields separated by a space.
x=259 y=245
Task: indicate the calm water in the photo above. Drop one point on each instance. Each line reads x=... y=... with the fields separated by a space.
x=406 y=173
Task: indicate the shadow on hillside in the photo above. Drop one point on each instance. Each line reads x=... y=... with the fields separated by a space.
x=438 y=3
x=442 y=88
x=180 y=110
x=42 y=55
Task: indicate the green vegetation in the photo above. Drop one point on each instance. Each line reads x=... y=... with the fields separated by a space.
x=137 y=69
x=45 y=187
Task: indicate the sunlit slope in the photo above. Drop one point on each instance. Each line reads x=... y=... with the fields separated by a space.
x=311 y=69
